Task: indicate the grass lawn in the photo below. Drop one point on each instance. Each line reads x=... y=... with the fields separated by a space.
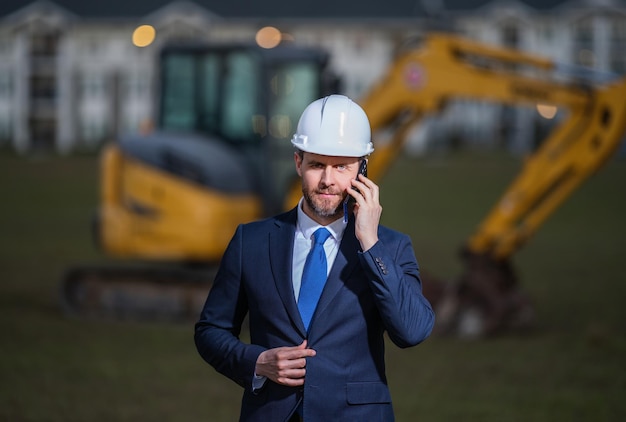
x=571 y=368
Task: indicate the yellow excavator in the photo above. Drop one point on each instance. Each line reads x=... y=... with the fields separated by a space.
x=221 y=156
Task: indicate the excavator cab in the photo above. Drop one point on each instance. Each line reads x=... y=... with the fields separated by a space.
x=220 y=156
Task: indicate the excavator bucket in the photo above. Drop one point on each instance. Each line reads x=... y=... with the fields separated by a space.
x=484 y=301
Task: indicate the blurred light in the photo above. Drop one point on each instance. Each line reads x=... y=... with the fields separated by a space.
x=144 y=35
x=280 y=126
x=546 y=111
x=586 y=57
x=146 y=126
x=268 y=37
x=259 y=125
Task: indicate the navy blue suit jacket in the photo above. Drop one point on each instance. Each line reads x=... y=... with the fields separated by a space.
x=366 y=294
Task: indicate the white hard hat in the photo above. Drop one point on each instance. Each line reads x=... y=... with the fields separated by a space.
x=336 y=126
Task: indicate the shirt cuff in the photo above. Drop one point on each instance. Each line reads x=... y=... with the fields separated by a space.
x=258 y=382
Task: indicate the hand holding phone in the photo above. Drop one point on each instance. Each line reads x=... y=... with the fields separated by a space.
x=350 y=199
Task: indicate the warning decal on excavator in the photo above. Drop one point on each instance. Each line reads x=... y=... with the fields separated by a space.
x=414 y=76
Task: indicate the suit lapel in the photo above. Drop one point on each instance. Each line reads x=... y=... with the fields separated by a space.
x=281 y=260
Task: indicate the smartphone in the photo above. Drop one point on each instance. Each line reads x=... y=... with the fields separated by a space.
x=349 y=199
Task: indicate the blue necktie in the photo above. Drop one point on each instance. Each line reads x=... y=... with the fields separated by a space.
x=313 y=277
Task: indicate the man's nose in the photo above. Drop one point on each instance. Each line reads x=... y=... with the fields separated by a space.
x=327 y=177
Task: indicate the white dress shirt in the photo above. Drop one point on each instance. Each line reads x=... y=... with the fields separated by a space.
x=303 y=242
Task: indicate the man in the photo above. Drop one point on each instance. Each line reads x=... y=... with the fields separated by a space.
x=316 y=349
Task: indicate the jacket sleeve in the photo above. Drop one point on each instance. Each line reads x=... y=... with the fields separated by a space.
x=393 y=275
x=217 y=331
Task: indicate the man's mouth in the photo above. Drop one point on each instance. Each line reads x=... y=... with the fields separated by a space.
x=326 y=194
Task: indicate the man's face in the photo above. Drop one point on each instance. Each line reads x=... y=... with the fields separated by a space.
x=325 y=180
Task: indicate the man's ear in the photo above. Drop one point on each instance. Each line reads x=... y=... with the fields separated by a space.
x=298 y=160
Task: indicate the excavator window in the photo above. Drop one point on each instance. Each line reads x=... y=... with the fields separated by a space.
x=178 y=86
x=240 y=97
x=243 y=97
x=209 y=107
x=214 y=92
x=236 y=94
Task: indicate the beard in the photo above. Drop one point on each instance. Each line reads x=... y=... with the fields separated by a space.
x=323 y=207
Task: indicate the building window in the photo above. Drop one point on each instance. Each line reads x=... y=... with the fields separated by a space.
x=136 y=86
x=91 y=46
x=618 y=64
x=93 y=131
x=546 y=31
x=618 y=45
x=5 y=46
x=618 y=31
x=5 y=85
x=43 y=87
x=131 y=124
x=92 y=86
x=44 y=44
x=583 y=32
x=583 y=43
x=510 y=34
x=5 y=130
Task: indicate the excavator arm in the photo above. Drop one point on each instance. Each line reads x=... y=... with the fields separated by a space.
x=591 y=127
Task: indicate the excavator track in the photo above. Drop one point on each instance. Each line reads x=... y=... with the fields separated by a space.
x=169 y=294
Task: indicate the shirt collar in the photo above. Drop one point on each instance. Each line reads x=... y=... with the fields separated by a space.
x=307 y=226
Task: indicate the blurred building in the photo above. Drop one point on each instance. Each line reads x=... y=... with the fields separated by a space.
x=71 y=77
